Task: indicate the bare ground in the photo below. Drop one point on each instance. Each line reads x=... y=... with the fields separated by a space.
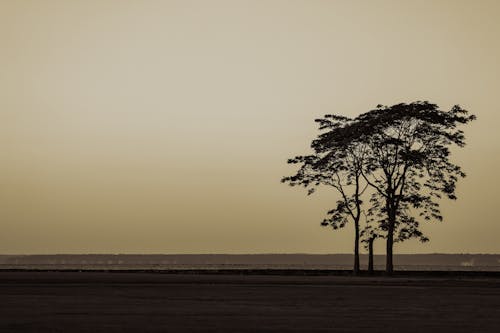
x=153 y=302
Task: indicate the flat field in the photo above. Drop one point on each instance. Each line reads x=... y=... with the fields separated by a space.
x=156 y=302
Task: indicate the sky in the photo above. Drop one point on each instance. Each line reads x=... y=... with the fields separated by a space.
x=165 y=126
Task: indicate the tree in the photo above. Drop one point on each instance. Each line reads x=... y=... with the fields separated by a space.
x=338 y=165
x=407 y=162
x=401 y=152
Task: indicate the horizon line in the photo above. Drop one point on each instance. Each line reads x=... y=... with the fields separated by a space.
x=244 y=254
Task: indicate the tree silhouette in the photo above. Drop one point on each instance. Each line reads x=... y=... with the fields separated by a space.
x=402 y=153
x=339 y=166
x=407 y=162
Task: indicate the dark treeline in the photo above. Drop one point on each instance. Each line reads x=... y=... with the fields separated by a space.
x=326 y=260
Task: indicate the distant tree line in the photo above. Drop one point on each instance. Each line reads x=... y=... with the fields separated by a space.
x=389 y=166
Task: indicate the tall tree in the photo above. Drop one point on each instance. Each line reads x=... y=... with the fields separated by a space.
x=408 y=162
x=402 y=152
x=337 y=165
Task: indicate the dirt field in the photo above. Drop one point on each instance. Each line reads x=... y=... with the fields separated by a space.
x=152 y=302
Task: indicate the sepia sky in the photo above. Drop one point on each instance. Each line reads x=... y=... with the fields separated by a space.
x=165 y=126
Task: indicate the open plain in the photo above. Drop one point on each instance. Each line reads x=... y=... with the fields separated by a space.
x=183 y=302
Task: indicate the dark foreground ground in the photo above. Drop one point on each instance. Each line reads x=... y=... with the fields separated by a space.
x=153 y=302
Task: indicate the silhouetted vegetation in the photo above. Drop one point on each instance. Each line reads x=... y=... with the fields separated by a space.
x=401 y=153
x=340 y=167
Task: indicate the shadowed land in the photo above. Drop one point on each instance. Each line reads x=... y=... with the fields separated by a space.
x=148 y=302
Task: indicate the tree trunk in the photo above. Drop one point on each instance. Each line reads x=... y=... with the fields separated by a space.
x=370 y=255
x=388 y=258
x=389 y=245
x=356 y=248
x=391 y=222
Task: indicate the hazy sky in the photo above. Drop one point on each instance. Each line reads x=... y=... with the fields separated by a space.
x=164 y=126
